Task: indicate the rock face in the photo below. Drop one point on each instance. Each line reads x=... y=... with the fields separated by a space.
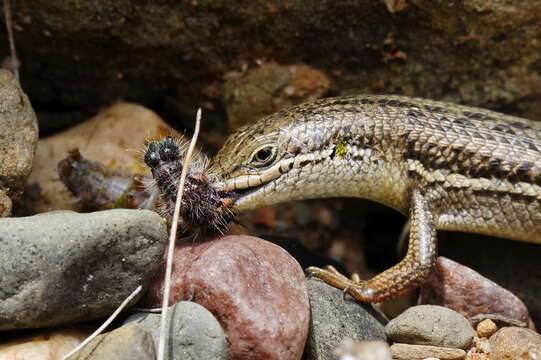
x=335 y=318
x=256 y=290
x=194 y=333
x=128 y=342
x=460 y=288
x=183 y=49
x=18 y=138
x=64 y=267
x=431 y=325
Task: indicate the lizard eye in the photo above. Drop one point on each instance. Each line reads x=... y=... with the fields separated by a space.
x=263 y=156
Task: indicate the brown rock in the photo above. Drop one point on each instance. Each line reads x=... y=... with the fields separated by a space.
x=414 y=352
x=515 y=343
x=486 y=328
x=460 y=288
x=269 y=88
x=255 y=289
x=44 y=345
x=114 y=137
x=18 y=137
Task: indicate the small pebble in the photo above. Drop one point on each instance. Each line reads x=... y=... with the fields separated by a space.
x=413 y=352
x=486 y=328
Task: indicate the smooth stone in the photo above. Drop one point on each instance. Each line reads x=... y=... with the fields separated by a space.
x=18 y=137
x=43 y=344
x=431 y=325
x=515 y=343
x=335 y=318
x=128 y=342
x=422 y=352
x=464 y=290
x=256 y=290
x=64 y=267
x=193 y=332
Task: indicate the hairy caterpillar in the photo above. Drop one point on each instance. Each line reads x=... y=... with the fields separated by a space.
x=203 y=208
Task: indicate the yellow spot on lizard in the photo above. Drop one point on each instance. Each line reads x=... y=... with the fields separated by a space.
x=341 y=151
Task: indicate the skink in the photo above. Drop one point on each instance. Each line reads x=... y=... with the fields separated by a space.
x=446 y=166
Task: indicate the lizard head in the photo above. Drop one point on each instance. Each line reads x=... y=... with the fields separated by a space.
x=297 y=153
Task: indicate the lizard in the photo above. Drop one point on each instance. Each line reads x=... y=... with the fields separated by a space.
x=445 y=166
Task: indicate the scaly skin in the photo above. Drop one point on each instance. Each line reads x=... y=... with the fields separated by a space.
x=447 y=166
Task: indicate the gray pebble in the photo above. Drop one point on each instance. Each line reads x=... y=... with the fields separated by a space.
x=195 y=332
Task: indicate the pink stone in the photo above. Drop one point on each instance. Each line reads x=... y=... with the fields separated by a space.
x=462 y=289
x=256 y=290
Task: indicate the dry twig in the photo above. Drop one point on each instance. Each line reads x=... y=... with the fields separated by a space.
x=172 y=238
x=9 y=28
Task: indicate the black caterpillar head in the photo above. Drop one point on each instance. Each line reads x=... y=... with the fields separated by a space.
x=163 y=151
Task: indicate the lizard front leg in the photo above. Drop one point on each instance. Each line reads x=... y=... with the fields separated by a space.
x=405 y=276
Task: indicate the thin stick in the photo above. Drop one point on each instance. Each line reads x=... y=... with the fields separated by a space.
x=11 y=39
x=172 y=238
x=105 y=324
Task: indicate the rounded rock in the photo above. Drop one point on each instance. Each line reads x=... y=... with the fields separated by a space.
x=63 y=267
x=515 y=343
x=431 y=325
x=194 y=333
x=486 y=328
x=256 y=290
